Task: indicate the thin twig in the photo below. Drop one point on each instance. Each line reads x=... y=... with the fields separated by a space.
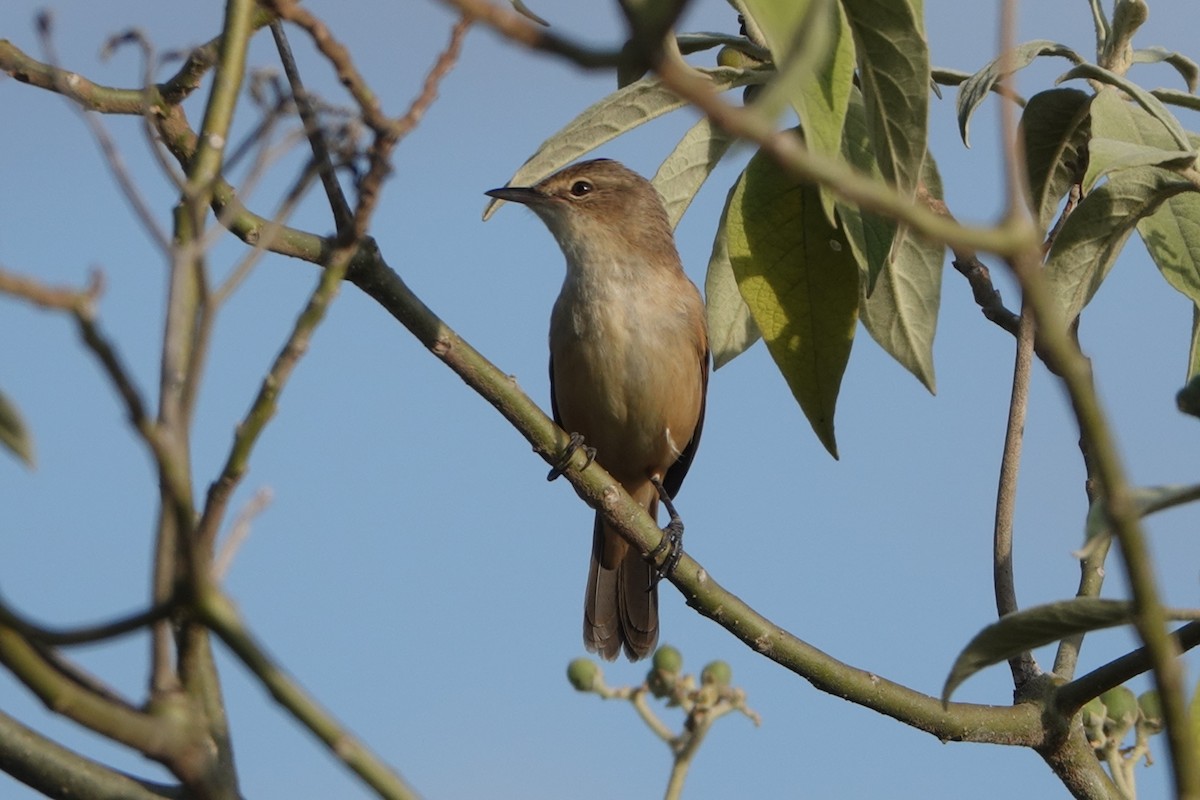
x=1023 y=666
x=343 y=217
x=239 y=532
x=59 y=298
x=1072 y=696
x=112 y=156
x=223 y=619
x=88 y=634
x=429 y=91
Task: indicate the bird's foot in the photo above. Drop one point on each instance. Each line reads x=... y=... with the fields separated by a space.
x=671 y=543
x=564 y=461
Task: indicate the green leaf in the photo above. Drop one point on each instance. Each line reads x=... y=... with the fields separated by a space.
x=976 y=88
x=1124 y=137
x=1146 y=500
x=1172 y=232
x=1054 y=128
x=813 y=51
x=893 y=67
x=1092 y=237
x=1189 y=403
x=1143 y=98
x=688 y=166
x=870 y=235
x=800 y=279
x=1187 y=68
x=901 y=313
x=1172 y=236
x=14 y=436
x=1177 y=98
x=1112 y=155
x=1025 y=630
x=731 y=327
x=618 y=113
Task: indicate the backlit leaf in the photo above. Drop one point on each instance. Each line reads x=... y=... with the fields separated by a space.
x=731 y=327
x=618 y=113
x=800 y=280
x=893 y=66
x=901 y=313
x=976 y=88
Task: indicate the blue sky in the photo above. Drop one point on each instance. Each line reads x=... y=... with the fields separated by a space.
x=416 y=573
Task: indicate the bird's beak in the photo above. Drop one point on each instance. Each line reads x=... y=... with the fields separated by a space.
x=517 y=194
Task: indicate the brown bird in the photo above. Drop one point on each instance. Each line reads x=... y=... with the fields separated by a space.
x=628 y=370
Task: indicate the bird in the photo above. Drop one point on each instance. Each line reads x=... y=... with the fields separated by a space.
x=629 y=363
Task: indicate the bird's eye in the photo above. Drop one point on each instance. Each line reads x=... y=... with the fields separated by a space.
x=580 y=188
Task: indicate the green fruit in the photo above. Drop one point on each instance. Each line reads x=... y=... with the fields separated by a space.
x=716 y=673
x=583 y=673
x=1122 y=709
x=1094 y=713
x=1151 y=708
x=732 y=57
x=668 y=659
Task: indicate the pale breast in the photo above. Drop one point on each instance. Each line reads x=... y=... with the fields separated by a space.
x=627 y=370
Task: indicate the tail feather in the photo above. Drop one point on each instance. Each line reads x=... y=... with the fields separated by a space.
x=620 y=608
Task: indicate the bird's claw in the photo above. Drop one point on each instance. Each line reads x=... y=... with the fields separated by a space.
x=564 y=460
x=671 y=543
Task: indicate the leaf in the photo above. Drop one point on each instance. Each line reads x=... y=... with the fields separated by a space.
x=1092 y=237
x=1112 y=155
x=605 y=120
x=1172 y=237
x=14 y=436
x=870 y=235
x=688 y=166
x=893 y=66
x=1177 y=98
x=524 y=10
x=901 y=313
x=1025 y=630
x=1187 y=68
x=976 y=88
x=1146 y=500
x=1188 y=398
x=799 y=278
x=1172 y=232
x=813 y=51
x=1054 y=129
x=1143 y=98
x=731 y=327
x=1124 y=136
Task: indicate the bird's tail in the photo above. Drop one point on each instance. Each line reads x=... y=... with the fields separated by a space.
x=620 y=608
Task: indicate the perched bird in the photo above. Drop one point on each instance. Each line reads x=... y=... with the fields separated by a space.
x=628 y=369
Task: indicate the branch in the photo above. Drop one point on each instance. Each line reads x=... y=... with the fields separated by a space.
x=1123 y=519
x=1020 y=725
x=220 y=615
x=48 y=767
x=82 y=635
x=165 y=738
x=1023 y=666
x=1009 y=238
x=1075 y=694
